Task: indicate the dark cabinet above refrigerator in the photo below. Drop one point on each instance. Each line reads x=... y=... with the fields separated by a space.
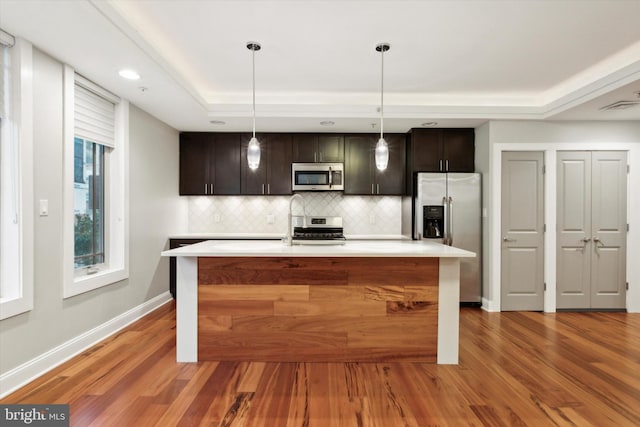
x=439 y=150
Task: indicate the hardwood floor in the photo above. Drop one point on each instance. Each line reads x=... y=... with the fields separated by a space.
x=517 y=368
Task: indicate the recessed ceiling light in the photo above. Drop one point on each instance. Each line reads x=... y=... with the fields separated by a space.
x=429 y=124
x=217 y=122
x=327 y=123
x=129 y=74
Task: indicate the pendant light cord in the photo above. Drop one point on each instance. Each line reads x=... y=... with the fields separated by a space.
x=253 y=56
x=382 y=94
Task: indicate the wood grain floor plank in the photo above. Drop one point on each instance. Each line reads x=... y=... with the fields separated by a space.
x=275 y=390
x=301 y=400
x=175 y=412
x=228 y=406
x=516 y=369
x=251 y=377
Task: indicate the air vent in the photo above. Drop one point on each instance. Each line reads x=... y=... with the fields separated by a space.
x=621 y=105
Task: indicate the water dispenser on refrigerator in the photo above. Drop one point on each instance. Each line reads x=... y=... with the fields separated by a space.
x=433 y=221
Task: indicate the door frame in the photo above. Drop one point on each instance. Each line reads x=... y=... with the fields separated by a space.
x=492 y=302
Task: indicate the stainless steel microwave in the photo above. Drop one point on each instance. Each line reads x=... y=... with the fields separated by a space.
x=317 y=176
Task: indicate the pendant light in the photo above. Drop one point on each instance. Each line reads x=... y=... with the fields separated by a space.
x=382 y=148
x=253 y=150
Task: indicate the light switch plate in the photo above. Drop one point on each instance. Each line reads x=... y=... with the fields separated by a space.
x=44 y=207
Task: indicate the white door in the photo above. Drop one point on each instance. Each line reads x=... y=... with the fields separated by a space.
x=522 y=271
x=592 y=230
x=573 y=235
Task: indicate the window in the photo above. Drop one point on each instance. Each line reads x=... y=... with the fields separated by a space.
x=96 y=249
x=16 y=177
x=88 y=195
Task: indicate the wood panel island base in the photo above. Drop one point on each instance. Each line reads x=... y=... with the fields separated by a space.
x=364 y=301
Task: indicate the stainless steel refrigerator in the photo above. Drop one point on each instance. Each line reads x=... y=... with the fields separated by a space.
x=448 y=209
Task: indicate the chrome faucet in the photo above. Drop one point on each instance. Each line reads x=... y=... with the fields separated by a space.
x=289 y=236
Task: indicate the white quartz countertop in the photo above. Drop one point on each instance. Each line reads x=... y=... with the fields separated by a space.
x=352 y=248
x=276 y=236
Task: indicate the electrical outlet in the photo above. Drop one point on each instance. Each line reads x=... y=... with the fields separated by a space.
x=216 y=218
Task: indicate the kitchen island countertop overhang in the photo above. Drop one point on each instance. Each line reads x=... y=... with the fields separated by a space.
x=263 y=269
x=352 y=248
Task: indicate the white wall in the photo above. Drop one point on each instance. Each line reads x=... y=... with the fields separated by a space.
x=550 y=137
x=483 y=165
x=155 y=212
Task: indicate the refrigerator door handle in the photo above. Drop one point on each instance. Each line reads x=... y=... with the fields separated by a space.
x=450 y=221
x=445 y=231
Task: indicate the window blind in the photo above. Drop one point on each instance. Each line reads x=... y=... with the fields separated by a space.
x=3 y=76
x=94 y=116
x=6 y=41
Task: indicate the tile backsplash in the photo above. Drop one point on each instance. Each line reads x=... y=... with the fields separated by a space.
x=362 y=215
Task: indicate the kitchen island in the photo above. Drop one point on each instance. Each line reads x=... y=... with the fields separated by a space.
x=361 y=301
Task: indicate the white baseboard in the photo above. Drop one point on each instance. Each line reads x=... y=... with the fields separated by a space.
x=489 y=306
x=27 y=372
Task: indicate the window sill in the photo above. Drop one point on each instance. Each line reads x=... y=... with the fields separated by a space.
x=10 y=307
x=86 y=283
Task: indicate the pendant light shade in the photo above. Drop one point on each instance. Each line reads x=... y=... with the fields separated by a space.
x=382 y=148
x=382 y=154
x=253 y=154
x=253 y=150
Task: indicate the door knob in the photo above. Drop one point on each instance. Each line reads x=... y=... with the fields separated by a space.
x=506 y=239
x=587 y=240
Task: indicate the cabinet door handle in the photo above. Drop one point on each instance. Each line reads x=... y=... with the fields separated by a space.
x=315 y=156
x=440 y=168
x=446 y=165
x=372 y=192
x=205 y=189
x=268 y=188
x=211 y=188
x=262 y=188
x=377 y=188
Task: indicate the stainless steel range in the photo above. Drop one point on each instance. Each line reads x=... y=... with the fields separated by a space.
x=317 y=230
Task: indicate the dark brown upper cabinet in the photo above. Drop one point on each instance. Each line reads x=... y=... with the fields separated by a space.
x=318 y=148
x=209 y=163
x=441 y=150
x=361 y=175
x=273 y=175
